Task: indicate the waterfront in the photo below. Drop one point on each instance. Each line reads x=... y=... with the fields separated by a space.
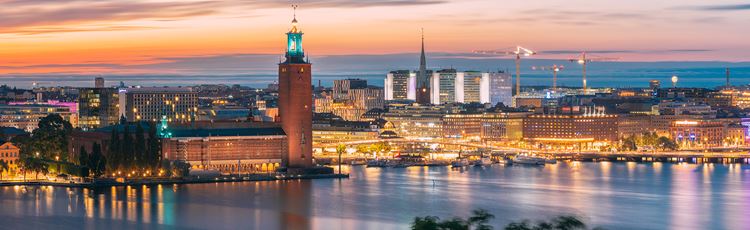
x=612 y=195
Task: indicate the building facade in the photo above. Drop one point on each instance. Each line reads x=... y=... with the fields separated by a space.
x=228 y=150
x=9 y=154
x=400 y=85
x=586 y=131
x=501 y=88
x=27 y=116
x=98 y=107
x=341 y=87
x=177 y=104
x=698 y=133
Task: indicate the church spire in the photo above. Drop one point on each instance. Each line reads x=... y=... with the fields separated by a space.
x=422 y=58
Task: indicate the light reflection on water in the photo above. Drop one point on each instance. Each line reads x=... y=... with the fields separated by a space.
x=608 y=194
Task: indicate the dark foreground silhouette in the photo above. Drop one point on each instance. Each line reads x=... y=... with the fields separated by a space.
x=480 y=219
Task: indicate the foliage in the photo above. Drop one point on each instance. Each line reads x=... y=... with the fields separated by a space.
x=51 y=138
x=4 y=166
x=666 y=143
x=97 y=162
x=154 y=147
x=480 y=220
x=651 y=139
x=557 y=223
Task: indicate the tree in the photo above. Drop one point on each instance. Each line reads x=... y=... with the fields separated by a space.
x=97 y=161
x=480 y=219
x=666 y=143
x=425 y=223
x=3 y=167
x=83 y=161
x=51 y=137
x=113 y=152
x=340 y=149
x=126 y=149
x=629 y=144
x=139 y=150
x=557 y=223
x=154 y=148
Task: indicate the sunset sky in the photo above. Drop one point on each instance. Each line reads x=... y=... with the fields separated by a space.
x=134 y=36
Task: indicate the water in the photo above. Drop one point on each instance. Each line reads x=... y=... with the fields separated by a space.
x=610 y=195
x=610 y=75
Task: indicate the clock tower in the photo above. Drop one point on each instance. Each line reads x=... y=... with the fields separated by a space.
x=295 y=101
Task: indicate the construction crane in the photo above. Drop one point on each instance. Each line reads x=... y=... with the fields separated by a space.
x=518 y=52
x=554 y=68
x=583 y=60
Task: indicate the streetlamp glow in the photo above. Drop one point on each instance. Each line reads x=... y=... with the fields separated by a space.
x=674 y=81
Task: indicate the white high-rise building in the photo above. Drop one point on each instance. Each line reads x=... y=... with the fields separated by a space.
x=449 y=86
x=401 y=85
x=500 y=88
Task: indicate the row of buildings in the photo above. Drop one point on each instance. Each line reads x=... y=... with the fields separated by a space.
x=452 y=86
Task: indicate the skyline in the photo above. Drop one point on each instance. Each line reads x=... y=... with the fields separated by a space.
x=196 y=37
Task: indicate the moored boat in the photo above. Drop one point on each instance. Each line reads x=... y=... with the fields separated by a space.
x=528 y=160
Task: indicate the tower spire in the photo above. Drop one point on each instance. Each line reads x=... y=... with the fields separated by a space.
x=423 y=81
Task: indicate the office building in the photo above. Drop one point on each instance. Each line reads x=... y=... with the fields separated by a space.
x=176 y=104
x=99 y=82
x=591 y=129
x=98 y=107
x=341 y=87
x=500 y=88
x=27 y=116
x=400 y=85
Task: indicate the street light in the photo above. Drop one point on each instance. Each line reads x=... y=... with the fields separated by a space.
x=674 y=81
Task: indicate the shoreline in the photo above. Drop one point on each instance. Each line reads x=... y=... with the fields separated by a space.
x=140 y=182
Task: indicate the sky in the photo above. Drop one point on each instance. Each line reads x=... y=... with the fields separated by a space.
x=200 y=36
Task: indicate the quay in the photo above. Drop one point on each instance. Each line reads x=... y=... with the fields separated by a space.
x=164 y=181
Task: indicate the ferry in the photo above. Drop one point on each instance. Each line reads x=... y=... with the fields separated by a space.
x=529 y=160
x=484 y=161
x=460 y=162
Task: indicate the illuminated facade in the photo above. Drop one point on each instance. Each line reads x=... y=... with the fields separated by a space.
x=295 y=101
x=9 y=154
x=178 y=104
x=502 y=126
x=500 y=88
x=451 y=86
x=341 y=87
x=228 y=150
x=27 y=116
x=98 y=107
x=591 y=129
x=400 y=85
x=462 y=126
x=334 y=135
x=698 y=133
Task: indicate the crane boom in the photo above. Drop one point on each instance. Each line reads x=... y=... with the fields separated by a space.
x=518 y=52
x=583 y=60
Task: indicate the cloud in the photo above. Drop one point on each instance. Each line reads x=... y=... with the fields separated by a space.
x=733 y=7
x=30 y=17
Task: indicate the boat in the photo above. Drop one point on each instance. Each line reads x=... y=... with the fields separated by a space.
x=460 y=162
x=550 y=160
x=484 y=161
x=529 y=160
x=376 y=163
x=358 y=162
